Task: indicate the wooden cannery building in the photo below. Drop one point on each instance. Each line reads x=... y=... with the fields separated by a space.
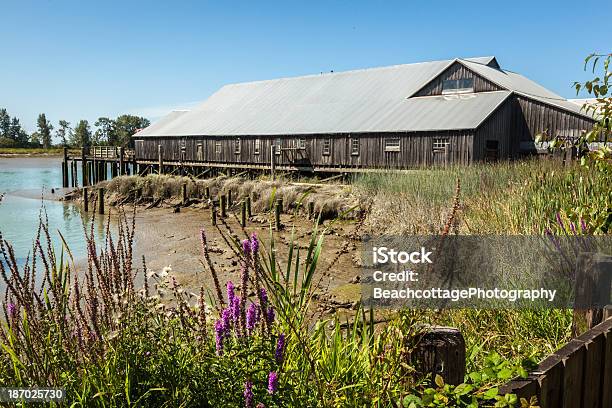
x=456 y=111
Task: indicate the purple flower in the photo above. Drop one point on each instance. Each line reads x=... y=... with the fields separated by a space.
x=246 y=247
x=263 y=295
x=219 y=334
x=12 y=310
x=230 y=293
x=251 y=318
x=248 y=394
x=235 y=305
x=270 y=315
x=254 y=244
x=272 y=382
x=261 y=405
x=583 y=225
x=226 y=315
x=280 y=349
x=560 y=221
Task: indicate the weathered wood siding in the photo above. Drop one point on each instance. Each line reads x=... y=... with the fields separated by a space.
x=416 y=150
x=457 y=71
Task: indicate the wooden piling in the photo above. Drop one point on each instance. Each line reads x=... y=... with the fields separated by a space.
x=440 y=351
x=243 y=214
x=84 y=171
x=213 y=214
x=184 y=193
x=100 y=200
x=121 y=164
x=207 y=192
x=229 y=198
x=223 y=204
x=65 y=168
x=277 y=213
x=85 y=192
x=248 y=207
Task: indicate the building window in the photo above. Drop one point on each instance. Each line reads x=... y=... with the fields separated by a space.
x=278 y=146
x=392 y=144
x=326 y=146
x=217 y=146
x=199 y=152
x=440 y=144
x=462 y=85
x=257 y=146
x=355 y=146
x=302 y=144
x=237 y=146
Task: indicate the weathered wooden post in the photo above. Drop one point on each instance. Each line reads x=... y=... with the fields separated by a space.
x=84 y=171
x=184 y=193
x=223 y=204
x=248 y=206
x=100 y=200
x=229 y=198
x=73 y=171
x=441 y=351
x=277 y=213
x=272 y=162
x=207 y=192
x=310 y=209
x=593 y=282
x=160 y=159
x=65 y=168
x=243 y=214
x=213 y=214
x=121 y=164
x=85 y=199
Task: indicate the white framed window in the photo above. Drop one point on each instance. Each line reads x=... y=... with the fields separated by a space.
x=257 y=148
x=237 y=146
x=278 y=145
x=461 y=85
x=326 y=146
x=217 y=146
x=355 y=146
x=301 y=143
x=440 y=144
x=392 y=144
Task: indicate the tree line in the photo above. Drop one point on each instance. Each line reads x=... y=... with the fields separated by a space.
x=112 y=132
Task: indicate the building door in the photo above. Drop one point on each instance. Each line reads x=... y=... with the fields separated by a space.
x=491 y=151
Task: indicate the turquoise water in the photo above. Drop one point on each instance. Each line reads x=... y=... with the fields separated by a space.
x=24 y=182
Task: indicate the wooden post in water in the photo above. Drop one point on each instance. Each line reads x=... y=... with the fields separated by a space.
x=73 y=173
x=248 y=206
x=65 y=168
x=84 y=171
x=85 y=199
x=121 y=164
x=213 y=214
x=184 y=193
x=160 y=159
x=100 y=200
x=243 y=214
x=223 y=204
x=277 y=213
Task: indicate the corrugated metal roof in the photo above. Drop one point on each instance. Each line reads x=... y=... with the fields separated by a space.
x=367 y=100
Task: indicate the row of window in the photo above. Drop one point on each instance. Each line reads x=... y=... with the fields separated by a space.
x=392 y=144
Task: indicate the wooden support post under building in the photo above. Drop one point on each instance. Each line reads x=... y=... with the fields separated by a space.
x=114 y=171
x=248 y=206
x=121 y=164
x=229 y=198
x=223 y=204
x=277 y=213
x=100 y=200
x=207 y=192
x=65 y=168
x=84 y=171
x=213 y=214
x=184 y=193
x=243 y=214
x=85 y=199
x=160 y=159
x=73 y=172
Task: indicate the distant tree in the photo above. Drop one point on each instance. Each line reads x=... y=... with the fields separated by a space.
x=17 y=133
x=35 y=139
x=64 y=132
x=81 y=136
x=126 y=126
x=105 y=131
x=5 y=123
x=44 y=129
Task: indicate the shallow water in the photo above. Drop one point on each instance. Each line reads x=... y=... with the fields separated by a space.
x=24 y=182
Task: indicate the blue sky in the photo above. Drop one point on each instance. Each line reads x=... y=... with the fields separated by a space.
x=81 y=60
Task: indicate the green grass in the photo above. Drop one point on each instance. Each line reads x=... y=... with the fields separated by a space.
x=34 y=151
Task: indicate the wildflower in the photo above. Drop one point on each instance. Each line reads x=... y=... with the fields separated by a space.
x=219 y=334
x=12 y=310
x=261 y=405
x=246 y=247
x=225 y=321
x=280 y=349
x=248 y=394
x=251 y=318
x=272 y=382
x=263 y=296
x=230 y=293
x=254 y=244
x=244 y=293
x=270 y=315
x=236 y=309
